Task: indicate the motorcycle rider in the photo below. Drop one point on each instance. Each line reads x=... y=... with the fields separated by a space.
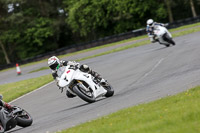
x=150 y=28
x=4 y=104
x=54 y=63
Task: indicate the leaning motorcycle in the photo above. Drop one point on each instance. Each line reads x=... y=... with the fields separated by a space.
x=83 y=84
x=162 y=35
x=16 y=116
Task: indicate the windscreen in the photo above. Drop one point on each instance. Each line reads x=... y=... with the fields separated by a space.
x=60 y=71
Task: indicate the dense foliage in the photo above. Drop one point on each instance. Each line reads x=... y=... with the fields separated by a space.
x=32 y=27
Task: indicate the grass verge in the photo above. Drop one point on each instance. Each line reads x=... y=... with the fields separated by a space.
x=12 y=91
x=40 y=69
x=173 y=114
x=185 y=27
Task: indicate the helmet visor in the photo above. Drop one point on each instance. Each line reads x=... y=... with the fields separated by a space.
x=54 y=66
x=151 y=24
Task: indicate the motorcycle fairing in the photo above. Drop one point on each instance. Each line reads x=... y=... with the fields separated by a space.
x=71 y=74
x=8 y=122
x=98 y=90
x=159 y=31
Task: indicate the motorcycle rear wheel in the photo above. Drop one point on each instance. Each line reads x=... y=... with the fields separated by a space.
x=24 y=120
x=83 y=95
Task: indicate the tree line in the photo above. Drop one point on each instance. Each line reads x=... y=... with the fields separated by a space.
x=32 y=27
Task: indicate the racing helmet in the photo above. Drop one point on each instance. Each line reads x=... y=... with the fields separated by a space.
x=150 y=22
x=53 y=62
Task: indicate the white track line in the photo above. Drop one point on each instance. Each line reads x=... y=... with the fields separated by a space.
x=155 y=66
x=31 y=92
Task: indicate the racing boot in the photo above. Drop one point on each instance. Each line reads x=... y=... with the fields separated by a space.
x=97 y=77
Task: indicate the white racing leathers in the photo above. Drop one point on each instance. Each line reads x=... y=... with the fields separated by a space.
x=162 y=35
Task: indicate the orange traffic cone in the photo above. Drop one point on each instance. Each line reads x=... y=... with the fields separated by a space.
x=18 y=69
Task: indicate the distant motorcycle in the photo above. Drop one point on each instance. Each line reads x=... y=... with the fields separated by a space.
x=83 y=84
x=9 y=119
x=162 y=35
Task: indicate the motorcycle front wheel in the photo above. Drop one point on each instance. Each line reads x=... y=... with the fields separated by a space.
x=168 y=39
x=86 y=96
x=24 y=119
x=109 y=88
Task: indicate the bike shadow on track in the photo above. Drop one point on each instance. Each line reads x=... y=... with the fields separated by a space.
x=14 y=130
x=164 y=47
x=81 y=105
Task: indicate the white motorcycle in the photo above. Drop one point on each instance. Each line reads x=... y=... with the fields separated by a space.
x=83 y=84
x=162 y=35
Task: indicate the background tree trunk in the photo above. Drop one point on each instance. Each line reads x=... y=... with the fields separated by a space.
x=5 y=53
x=169 y=10
x=193 y=8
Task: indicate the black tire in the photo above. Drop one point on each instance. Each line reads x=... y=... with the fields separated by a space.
x=167 y=45
x=82 y=95
x=110 y=90
x=25 y=120
x=169 y=39
x=69 y=95
x=172 y=42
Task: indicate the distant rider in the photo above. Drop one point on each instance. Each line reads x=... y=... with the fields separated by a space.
x=150 y=28
x=4 y=104
x=54 y=63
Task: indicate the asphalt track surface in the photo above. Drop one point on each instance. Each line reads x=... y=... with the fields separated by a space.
x=138 y=75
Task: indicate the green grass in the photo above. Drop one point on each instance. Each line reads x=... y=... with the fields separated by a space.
x=42 y=68
x=185 y=32
x=12 y=91
x=185 y=27
x=117 y=49
x=173 y=114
